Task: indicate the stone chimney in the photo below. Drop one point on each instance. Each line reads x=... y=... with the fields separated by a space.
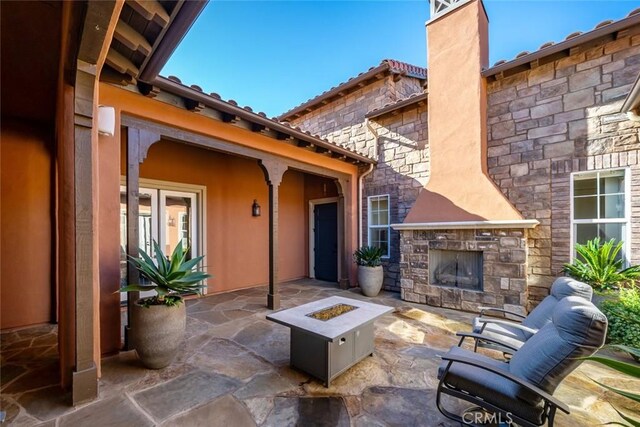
x=459 y=193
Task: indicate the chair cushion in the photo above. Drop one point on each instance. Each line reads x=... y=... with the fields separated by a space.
x=513 y=336
x=561 y=288
x=490 y=387
x=566 y=287
x=578 y=329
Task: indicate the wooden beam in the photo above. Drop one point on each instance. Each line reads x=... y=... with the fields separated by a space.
x=192 y=105
x=131 y=38
x=273 y=171
x=151 y=10
x=109 y=75
x=138 y=143
x=148 y=90
x=229 y=118
x=118 y=62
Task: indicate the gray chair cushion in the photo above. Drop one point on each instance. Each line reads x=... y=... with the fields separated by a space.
x=491 y=387
x=515 y=337
x=577 y=329
x=561 y=288
x=564 y=287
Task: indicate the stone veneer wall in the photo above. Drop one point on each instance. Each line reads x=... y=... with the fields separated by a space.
x=556 y=119
x=504 y=255
x=400 y=141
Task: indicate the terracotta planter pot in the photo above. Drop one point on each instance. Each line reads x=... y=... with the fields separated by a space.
x=370 y=280
x=158 y=332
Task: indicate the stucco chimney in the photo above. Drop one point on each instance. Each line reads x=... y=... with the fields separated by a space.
x=459 y=189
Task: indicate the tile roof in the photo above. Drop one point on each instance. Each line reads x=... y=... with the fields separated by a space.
x=391 y=66
x=195 y=95
x=396 y=105
x=550 y=51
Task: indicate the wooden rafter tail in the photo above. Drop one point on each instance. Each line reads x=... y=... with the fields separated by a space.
x=150 y=10
x=121 y=64
x=148 y=90
x=131 y=38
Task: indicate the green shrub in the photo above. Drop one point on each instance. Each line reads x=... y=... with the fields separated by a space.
x=597 y=265
x=624 y=317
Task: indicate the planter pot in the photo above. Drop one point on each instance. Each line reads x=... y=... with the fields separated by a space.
x=158 y=332
x=370 y=280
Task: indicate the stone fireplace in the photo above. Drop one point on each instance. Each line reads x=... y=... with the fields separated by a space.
x=491 y=268
x=455 y=268
x=463 y=244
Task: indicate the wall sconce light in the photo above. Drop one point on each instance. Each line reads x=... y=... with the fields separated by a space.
x=106 y=120
x=255 y=208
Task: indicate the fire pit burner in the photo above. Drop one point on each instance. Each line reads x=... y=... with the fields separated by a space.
x=331 y=312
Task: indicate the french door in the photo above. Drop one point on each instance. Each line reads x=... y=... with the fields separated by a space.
x=166 y=216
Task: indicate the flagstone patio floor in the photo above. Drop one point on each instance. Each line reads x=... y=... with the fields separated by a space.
x=233 y=370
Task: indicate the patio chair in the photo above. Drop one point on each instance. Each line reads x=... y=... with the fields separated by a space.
x=516 y=332
x=521 y=390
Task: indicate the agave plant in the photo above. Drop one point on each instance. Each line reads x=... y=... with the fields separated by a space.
x=169 y=277
x=597 y=264
x=368 y=256
x=632 y=370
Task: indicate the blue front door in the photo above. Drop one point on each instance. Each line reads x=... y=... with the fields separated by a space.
x=326 y=242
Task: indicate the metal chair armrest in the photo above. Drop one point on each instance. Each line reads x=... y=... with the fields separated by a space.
x=480 y=337
x=507 y=323
x=508 y=375
x=484 y=310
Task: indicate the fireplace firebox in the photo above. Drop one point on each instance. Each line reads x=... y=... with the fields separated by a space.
x=457 y=269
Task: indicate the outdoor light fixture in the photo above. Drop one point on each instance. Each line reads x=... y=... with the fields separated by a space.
x=106 y=120
x=255 y=208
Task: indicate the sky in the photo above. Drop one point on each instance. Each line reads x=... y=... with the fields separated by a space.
x=274 y=55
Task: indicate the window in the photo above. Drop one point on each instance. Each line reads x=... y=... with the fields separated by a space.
x=168 y=213
x=600 y=207
x=379 y=223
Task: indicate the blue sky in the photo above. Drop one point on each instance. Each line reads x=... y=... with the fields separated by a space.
x=274 y=55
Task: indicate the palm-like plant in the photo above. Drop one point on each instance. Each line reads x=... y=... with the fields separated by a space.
x=598 y=266
x=368 y=256
x=169 y=277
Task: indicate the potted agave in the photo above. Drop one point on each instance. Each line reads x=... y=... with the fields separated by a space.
x=370 y=273
x=159 y=321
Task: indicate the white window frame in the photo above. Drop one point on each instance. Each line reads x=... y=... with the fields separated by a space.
x=380 y=227
x=627 y=209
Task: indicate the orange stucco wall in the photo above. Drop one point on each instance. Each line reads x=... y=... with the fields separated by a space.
x=457 y=189
x=26 y=223
x=236 y=242
x=236 y=251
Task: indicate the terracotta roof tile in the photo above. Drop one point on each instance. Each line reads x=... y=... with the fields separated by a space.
x=275 y=123
x=574 y=39
x=386 y=65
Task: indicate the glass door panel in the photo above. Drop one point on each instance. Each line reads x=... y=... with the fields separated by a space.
x=178 y=220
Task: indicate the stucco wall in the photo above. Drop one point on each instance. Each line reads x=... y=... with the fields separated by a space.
x=26 y=223
x=236 y=242
x=560 y=118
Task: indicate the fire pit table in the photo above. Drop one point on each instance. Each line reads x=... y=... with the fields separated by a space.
x=331 y=335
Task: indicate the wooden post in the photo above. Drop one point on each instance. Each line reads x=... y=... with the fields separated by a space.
x=343 y=256
x=274 y=171
x=138 y=142
x=85 y=374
